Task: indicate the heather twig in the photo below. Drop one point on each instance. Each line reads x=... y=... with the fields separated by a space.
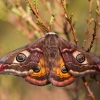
x=38 y=17
x=93 y=36
x=28 y=17
x=88 y=89
x=69 y=19
x=89 y=21
x=48 y=8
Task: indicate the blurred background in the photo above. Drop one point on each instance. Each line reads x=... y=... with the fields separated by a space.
x=16 y=31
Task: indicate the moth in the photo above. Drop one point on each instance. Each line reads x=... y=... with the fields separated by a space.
x=50 y=59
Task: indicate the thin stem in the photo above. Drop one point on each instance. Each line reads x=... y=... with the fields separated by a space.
x=37 y=15
x=28 y=18
x=89 y=21
x=93 y=36
x=70 y=21
x=88 y=89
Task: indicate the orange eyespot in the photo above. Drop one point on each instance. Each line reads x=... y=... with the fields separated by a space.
x=37 y=69
x=60 y=75
x=61 y=70
x=40 y=70
x=64 y=69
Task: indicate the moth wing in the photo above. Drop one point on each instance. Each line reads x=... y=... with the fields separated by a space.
x=79 y=62
x=26 y=62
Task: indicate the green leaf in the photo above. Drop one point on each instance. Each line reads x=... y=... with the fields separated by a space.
x=37 y=34
x=16 y=11
x=52 y=19
x=47 y=4
x=71 y=16
x=67 y=5
x=28 y=9
x=36 y=4
x=99 y=24
x=97 y=11
x=38 y=20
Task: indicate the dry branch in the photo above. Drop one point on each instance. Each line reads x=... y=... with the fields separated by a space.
x=89 y=21
x=70 y=21
x=88 y=89
x=38 y=17
x=93 y=36
x=28 y=18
